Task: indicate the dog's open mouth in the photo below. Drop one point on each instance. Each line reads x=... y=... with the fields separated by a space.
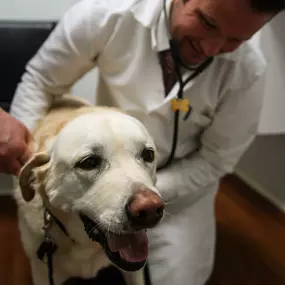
x=129 y=252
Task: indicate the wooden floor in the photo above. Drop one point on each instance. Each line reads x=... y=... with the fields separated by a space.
x=250 y=240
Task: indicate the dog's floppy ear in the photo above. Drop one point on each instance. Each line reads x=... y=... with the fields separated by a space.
x=27 y=175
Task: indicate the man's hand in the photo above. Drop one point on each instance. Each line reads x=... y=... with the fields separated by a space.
x=14 y=139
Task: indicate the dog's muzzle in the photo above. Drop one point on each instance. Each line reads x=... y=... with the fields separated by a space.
x=128 y=252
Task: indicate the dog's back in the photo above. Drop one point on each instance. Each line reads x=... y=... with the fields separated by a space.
x=61 y=112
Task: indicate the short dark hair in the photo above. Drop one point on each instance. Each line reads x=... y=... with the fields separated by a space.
x=267 y=6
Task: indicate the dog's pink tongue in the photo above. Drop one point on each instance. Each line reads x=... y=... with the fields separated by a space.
x=132 y=247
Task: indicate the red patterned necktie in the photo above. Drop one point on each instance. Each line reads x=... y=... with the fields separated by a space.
x=168 y=70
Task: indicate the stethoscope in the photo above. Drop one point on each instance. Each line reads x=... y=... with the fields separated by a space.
x=196 y=71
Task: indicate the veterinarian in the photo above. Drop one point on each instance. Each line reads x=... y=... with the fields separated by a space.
x=206 y=123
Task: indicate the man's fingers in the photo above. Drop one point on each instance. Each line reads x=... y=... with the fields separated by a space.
x=15 y=168
x=25 y=157
x=28 y=136
x=14 y=141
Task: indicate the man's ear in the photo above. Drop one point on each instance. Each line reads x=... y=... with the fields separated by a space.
x=27 y=175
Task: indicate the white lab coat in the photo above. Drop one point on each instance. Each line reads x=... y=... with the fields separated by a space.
x=123 y=38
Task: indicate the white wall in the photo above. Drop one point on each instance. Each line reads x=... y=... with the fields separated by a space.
x=263 y=164
x=272 y=42
x=262 y=167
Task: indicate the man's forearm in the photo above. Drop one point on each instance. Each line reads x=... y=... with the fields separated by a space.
x=189 y=176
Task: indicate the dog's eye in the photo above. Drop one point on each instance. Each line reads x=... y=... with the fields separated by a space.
x=148 y=154
x=90 y=162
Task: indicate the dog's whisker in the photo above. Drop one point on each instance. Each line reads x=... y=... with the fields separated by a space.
x=170 y=203
x=91 y=230
x=108 y=232
x=94 y=227
x=168 y=214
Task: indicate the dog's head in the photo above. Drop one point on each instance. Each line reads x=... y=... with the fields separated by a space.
x=102 y=169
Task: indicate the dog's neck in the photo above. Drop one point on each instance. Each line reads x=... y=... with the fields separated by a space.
x=65 y=238
x=68 y=252
x=56 y=230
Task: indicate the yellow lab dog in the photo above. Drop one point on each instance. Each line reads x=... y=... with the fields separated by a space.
x=88 y=194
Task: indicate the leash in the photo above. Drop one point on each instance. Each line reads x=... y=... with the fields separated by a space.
x=48 y=247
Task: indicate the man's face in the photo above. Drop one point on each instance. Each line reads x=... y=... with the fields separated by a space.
x=205 y=28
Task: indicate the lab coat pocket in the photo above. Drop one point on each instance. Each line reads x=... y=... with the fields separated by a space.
x=192 y=127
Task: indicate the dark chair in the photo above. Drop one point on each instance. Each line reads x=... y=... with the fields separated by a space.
x=19 y=41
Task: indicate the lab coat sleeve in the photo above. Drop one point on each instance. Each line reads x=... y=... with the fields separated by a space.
x=232 y=130
x=68 y=53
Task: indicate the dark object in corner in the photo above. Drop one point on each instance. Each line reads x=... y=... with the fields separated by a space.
x=19 y=41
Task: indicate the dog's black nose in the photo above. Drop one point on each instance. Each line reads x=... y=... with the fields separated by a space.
x=145 y=209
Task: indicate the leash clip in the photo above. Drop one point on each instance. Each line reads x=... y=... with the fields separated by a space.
x=47 y=245
x=47 y=222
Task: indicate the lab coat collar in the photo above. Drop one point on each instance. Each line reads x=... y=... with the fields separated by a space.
x=151 y=14
x=160 y=33
x=147 y=11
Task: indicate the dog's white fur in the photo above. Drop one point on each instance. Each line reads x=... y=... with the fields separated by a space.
x=70 y=131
